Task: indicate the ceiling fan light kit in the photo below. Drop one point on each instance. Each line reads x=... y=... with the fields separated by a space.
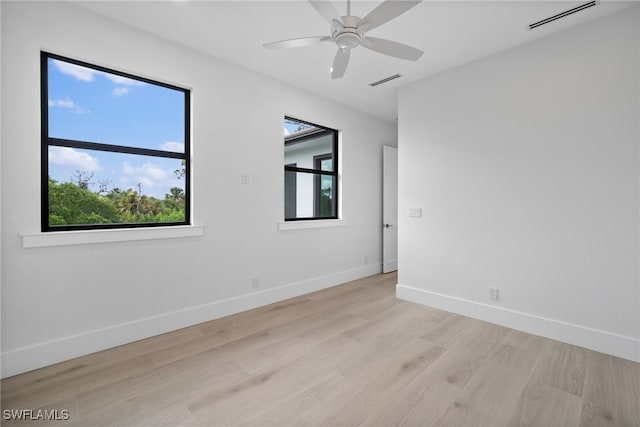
x=348 y=32
x=347 y=40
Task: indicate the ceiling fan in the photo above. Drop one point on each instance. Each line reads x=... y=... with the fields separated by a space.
x=348 y=32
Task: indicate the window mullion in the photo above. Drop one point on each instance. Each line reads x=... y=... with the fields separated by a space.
x=312 y=171
x=59 y=142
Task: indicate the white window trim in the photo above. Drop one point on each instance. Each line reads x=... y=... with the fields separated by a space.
x=305 y=225
x=84 y=237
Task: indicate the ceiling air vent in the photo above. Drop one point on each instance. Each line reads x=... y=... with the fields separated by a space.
x=386 y=79
x=563 y=14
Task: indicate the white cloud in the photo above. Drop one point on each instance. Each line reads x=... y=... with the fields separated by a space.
x=127 y=169
x=154 y=180
x=120 y=80
x=76 y=71
x=149 y=175
x=64 y=103
x=69 y=104
x=286 y=131
x=88 y=74
x=176 y=147
x=154 y=172
x=123 y=82
x=71 y=158
x=120 y=90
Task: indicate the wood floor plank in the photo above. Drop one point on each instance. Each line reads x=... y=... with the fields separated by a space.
x=180 y=382
x=385 y=321
x=422 y=402
x=353 y=403
x=238 y=403
x=563 y=366
x=297 y=344
x=47 y=377
x=611 y=392
x=545 y=406
x=494 y=388
x=449 y=330
x=459 y=365
x=350 y=355
x=288 y=411
x=68 y=384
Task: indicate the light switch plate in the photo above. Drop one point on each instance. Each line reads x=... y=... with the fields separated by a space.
x=415 y=212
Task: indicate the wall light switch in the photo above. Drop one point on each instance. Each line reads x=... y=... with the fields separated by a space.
x=415 y=212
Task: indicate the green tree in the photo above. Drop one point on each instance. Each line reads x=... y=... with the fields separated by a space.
x=127 y=202
x=70 y=204
x=174 y=200
x=74 y=204
x=82 y=178
x=180 y=173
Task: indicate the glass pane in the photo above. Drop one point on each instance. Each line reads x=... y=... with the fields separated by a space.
x=90 y=105
x=309 y=195
x=292 y=127
x=303 y=153
x=326 y=164
x=96 y=187
x=290 y=194
x=325 y=189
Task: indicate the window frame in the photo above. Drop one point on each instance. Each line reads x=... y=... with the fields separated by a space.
x=322 y=130
x=317 y=183
x=47 y=141
x=294 y=189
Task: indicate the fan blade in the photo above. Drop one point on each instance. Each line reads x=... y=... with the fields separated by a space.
x=326 y=9
x=386 y=11
x=363 y=27
x=388 y=47
x=306 y=41
x=340 y=63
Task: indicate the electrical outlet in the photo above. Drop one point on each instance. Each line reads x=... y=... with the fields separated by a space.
x=494 y=293
x=255 y=283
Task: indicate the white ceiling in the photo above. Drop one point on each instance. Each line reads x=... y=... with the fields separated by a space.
x=449 y=32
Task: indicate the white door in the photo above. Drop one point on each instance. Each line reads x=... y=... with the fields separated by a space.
x=389 y=209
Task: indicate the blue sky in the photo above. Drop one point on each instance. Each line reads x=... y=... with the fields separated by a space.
x=290 y=126
x=90 y=105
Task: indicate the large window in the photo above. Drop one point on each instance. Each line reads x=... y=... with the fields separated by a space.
x=310 y=171
x=115 y=148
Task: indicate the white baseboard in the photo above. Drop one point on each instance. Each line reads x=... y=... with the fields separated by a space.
x=593 y=339
x=47 y=353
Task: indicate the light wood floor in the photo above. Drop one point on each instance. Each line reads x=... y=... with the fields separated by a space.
x=347 y=356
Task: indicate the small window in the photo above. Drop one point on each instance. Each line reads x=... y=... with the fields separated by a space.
x=310 y=171
x=115 y=148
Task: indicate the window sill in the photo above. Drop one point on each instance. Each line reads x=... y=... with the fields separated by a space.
x=304 y=225
x=83 y=237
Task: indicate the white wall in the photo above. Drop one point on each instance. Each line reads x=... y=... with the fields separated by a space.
x=64 y=301
x=526 y=167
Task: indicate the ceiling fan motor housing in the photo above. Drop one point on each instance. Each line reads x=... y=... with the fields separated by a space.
x=348 y=33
